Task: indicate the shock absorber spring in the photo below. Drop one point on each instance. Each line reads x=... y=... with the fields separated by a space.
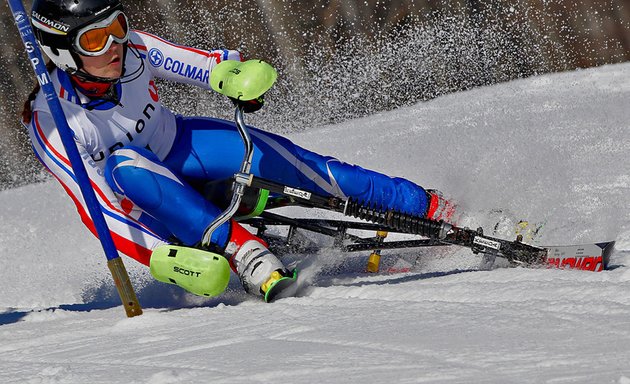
x=393 y=220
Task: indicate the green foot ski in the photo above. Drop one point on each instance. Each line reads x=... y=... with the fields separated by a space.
x=285 y=286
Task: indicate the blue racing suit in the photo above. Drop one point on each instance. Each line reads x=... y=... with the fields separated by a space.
x=143 y=160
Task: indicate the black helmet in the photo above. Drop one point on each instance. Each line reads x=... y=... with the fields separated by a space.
x=59 y=24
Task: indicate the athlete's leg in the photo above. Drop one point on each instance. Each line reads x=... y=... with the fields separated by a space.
x=211 y=149
x=141 y=177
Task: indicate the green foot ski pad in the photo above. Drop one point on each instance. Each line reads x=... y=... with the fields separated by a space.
x=199 y=272
x=243 y=80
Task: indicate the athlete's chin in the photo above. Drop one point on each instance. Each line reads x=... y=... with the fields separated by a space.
x=113 y=72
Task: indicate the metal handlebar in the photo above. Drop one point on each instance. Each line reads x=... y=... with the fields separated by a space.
x=241 y=180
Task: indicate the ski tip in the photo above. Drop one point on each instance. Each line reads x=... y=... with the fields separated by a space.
x=607 y=249
x=593 y=257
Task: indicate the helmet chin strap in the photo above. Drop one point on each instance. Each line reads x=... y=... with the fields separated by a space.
x=87 y=78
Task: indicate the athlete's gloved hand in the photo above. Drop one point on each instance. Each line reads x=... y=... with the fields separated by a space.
x=249 y=106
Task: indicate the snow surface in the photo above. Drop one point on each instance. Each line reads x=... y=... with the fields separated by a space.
x=553 y=149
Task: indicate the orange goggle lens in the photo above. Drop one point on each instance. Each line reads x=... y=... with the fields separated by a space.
x=95 y=40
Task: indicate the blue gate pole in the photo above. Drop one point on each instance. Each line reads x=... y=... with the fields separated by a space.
x=114 y=262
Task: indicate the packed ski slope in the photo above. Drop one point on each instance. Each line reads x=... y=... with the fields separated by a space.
x=554 y=149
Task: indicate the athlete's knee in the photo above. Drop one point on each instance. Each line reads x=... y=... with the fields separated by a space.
x=131 y=171
x=128 y=153
x=122 y=157
x=351 y=179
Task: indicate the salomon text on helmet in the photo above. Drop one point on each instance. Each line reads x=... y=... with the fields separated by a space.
x=67 y=28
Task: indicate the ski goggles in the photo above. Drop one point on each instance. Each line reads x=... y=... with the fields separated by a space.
x=95 y=39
